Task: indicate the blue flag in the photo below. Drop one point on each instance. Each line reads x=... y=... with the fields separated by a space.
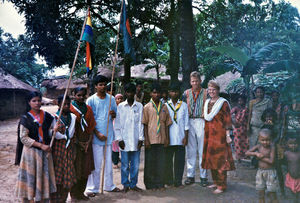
x=125 y=29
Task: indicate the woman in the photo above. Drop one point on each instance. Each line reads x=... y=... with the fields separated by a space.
x=256 y=109
x=217 y=154
x=36 y=179
x=85 y=125
x=240 y=115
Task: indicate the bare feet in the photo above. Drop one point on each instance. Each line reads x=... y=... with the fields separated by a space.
x=218 y=191
x=212 y=186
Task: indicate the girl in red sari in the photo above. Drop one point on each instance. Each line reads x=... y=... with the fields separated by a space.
x=240 y=115
x=217 y=154
x=85 y=125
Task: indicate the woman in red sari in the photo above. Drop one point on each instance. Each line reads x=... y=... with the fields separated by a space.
x=240 y=115
x=217 y=154
x=85 y=125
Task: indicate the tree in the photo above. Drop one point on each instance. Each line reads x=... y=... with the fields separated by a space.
x=18 y=59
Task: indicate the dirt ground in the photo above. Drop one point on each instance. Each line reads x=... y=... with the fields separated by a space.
x=241 y=182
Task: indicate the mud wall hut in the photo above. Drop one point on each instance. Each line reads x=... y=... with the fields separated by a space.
x=13 y=93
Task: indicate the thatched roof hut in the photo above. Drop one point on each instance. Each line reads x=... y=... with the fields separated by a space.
x=13 y=94
x=57 y=86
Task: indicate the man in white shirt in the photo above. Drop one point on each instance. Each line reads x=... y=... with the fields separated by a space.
x=175 y=152
x=129 y=131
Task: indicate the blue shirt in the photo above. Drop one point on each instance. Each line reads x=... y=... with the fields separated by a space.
x=100 y=110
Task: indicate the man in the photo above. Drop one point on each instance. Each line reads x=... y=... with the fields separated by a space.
x=100 y=103
x=130 y=134
x=195 y=99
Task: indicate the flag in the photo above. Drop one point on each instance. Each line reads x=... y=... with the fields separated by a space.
x=127 y=36
x=88 y=37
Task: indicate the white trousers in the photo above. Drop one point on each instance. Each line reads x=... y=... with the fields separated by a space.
x=93 y=183
x=195 y=145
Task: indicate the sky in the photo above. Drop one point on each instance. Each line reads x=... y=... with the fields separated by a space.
x=12 y=22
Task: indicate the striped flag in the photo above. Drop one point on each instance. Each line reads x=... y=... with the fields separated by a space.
x=125 y=29
x=88 y=37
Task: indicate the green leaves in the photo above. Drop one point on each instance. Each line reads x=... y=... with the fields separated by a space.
x=284 y=65
x=267 y=50
x=232 y=52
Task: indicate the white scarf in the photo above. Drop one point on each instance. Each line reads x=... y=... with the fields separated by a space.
x=215 y=109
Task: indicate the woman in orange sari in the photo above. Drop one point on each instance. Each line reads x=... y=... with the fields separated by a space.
x=217 y=154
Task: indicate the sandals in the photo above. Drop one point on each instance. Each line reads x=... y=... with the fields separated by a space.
x=90 y=194
x=203 y=182
x=189 y=181
x=116 y=189
x=212 y=186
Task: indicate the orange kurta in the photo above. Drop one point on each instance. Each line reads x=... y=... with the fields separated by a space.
x=216 y=152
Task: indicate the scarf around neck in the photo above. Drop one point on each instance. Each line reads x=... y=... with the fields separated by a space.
x=157 y=109
x=176 y=108
x=215 y=109
x=81 y=109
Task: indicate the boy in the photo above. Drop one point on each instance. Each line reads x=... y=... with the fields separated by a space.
x=156 y=120
x=195 y=99
x=130 y=134
x=266 y=177
x=292 y=155
x=178 y=111
x=139 y=96
x=100 y=103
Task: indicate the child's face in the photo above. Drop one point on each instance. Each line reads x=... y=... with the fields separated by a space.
x=164 y=95
x=174 y=94
x=80 y=96
x=269 y=119
x=119 y=100
x=264 y=139
x=155 y=95
x=139 y=88
x=241 y=102
x=259 y=93
x=292 y=144
x=101 y=87
x=275 y=96
x=66 y=107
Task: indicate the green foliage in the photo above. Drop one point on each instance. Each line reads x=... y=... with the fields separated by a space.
x=18 y=59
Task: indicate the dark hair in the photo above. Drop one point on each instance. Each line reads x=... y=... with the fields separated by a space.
x=275 y=91
x=155 y=86
x=78 y=89
x=100 y=78
x=129 y=87
x=293 y=136
x=259 y=87
x=30 y=96
x=243 y=97
x=270 y=112
x=61 y=97
x=138 y=82
x=174 y=87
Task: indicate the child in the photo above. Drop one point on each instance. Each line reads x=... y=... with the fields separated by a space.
x=100 y=103
x=139 y=95
x=156 y=120
x=115 y=144
x=266 y=177
x=63 y=152
x=240 y=115
x=130 y=134
x=292 y=155
x=85 y=125
x=179 y=130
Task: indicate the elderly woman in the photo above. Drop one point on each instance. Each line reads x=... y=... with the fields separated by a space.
x=217 y=154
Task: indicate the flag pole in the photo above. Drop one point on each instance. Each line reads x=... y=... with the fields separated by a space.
x=70 y=77
x=111 y=89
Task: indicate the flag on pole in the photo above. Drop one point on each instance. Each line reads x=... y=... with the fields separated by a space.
x=127 y=36
x=88 y=37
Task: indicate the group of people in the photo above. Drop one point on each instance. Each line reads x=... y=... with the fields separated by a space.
x=174 y=131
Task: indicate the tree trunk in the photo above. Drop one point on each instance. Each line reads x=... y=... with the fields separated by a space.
x=127 y=72
x=187 y=43
x=173 y=36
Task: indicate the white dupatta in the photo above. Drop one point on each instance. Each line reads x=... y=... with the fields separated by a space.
x=215 y=109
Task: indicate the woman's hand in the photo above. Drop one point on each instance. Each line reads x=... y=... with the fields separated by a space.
x=228 y=139
x=45 y=148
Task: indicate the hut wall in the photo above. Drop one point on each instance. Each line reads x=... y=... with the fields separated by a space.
x=12 y=103
x=53 y=93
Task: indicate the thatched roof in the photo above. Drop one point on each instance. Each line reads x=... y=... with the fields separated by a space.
x=8 y=81
x=137 y=71
x=226 y=78
x=60 y=83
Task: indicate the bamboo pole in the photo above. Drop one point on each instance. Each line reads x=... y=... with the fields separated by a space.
x=111 y=89
x=70 y=78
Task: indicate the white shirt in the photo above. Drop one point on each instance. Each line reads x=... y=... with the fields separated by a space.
x=71 y=129
x=177 y=129
x=128 y=125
